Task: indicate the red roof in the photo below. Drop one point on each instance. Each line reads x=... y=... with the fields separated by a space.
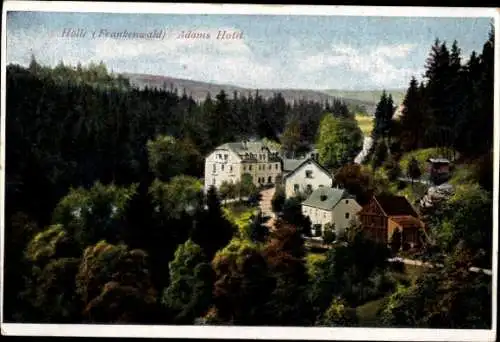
x=395 y=205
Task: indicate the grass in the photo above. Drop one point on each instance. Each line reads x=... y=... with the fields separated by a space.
x=368 y=313
x=365 y=123
x=311 y=260
x=421 y=156
x=240 y=214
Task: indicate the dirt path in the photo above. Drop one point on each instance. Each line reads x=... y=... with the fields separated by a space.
x=266 y=207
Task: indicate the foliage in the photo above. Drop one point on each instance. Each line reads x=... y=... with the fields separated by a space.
x=292 y=214
x=190 y=290
x=329 y=234
x=291 y=137
x=89 y=215
x=355 y=271
x=448 y=298
x=383 y=116
x=167 y=158
x=422 y=156
x=380 y=154
x=180 y=195
x=339 y=315
x=413 y=171
x=51 y=291
x=392 y=169
x=113 y=283
x=243 y=284
x=278 y=200
x=357 y=181
x=339 y=141
x=257 y=231
x=285 y=255
x=242 y=217
x=228 y=190
x=212 y=230
x=51 y=243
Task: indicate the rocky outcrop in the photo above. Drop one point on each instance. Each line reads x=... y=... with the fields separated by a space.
x=436 y=194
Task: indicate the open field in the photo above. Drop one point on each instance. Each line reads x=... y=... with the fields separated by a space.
x=365 y=123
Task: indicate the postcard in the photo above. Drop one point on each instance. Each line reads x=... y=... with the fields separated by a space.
x=248 y=171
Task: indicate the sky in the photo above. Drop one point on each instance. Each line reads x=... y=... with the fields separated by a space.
x=269 y=51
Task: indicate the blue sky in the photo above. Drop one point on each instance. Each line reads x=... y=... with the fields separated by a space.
x=327 y=52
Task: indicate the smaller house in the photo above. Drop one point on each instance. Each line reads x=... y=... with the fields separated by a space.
x=306 y=177
x=439 y=169
x=330 y=205
x=385 y=215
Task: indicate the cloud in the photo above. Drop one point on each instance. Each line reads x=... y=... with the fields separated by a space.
x=376 y=66
x=234 y=62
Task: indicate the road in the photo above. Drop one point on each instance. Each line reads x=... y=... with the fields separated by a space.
x=429 y=265
x=266 y=207
x=367 y=144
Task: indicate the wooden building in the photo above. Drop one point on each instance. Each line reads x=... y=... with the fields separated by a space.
x=386 y=214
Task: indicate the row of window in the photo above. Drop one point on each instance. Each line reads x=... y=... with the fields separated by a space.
x=219 y=156
x=214 y=168
x=262 y=180
x=310 y=211
x=261 y=167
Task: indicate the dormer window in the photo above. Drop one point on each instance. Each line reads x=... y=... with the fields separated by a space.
x=309 y=174
x=323 y=198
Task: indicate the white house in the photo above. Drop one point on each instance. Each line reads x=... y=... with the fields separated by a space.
x=230 y=161
x=306 y=177
x=330 y=205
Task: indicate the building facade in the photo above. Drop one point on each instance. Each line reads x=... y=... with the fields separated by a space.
x=230 y=161
x=384 y=215
x=330 y=205
x=306 y=177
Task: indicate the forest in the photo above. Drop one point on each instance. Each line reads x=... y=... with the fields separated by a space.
x=106 y=220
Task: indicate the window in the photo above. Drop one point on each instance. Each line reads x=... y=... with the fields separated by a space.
x=309 y=187
x=346 y=215
x=324 y=215
x=219 y=156
x=309 y=173
x=270 y=166
x=214 y=169
x=269 y=179
x=250 y=167
x=222 y=167
x=296 y=187
x=225 y=157
x=244 y=167
x=213 y=181
x=321 y=185
x=230 y=168
x=276 y=166
x=346 y=201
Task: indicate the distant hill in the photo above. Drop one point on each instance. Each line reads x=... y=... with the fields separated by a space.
x=369 y=96
x=199 y=90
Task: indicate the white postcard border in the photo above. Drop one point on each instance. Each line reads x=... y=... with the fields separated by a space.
x=229 y=332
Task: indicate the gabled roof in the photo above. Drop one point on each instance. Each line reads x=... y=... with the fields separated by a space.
x=395 y=205
x=326 y=198
x=291 y=164
x=306 y=161
x=245 y=149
